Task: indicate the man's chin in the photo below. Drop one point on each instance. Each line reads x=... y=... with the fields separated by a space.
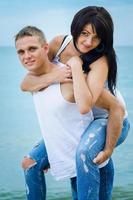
x=30 y=68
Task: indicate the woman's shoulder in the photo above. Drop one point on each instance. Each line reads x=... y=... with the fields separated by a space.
x=54 y=45
x=102 y=60
x=57 y=39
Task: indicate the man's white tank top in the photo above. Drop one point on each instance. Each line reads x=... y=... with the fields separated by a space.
x=62 y=126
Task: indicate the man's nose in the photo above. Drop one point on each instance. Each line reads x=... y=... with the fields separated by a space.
x=27 y=54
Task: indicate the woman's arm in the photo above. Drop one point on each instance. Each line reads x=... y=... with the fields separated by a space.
x=87 y=91
x=34 y=83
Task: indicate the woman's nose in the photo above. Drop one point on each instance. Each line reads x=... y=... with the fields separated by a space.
x=89 y=41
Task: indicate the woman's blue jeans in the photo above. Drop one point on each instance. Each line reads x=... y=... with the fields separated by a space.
x=91 y=182
x=94 y=183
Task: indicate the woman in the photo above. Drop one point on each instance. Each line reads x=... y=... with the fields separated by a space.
x=92 y=31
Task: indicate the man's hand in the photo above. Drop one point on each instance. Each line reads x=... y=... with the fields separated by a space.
x=102 y=156
x=62 y=74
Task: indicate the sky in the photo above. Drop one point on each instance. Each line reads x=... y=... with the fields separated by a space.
x=54 y=17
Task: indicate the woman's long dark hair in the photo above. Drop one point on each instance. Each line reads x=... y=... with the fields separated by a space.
x=102 y=23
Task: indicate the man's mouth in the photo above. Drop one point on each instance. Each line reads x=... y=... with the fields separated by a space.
x=29 y=63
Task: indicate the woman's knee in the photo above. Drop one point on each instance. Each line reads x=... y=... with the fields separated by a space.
x=27 y=163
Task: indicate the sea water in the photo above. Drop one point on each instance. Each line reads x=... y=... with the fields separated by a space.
x=19 y=131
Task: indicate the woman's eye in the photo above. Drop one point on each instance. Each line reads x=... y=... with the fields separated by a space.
x=84 y=33
x=96 y=37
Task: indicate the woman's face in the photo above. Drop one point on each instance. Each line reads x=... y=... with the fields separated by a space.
x=87 y=39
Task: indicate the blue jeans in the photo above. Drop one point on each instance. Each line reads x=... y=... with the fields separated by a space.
x=34 y=175
x=91 y=182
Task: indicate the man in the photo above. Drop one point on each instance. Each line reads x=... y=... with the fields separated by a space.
x=32 y=50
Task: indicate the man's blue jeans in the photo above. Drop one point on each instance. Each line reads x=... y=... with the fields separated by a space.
x=91 y=182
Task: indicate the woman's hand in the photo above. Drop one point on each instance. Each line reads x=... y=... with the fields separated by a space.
x=62 y=74
x=58 y=74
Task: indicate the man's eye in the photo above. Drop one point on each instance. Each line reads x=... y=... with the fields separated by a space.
x=20 y=52
x=32 y=49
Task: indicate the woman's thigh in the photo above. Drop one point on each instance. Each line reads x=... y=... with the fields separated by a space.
x=93 y=139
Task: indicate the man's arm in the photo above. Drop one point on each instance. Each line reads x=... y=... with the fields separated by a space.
x=114 y=126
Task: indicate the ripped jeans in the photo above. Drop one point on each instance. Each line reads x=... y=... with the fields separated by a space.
x=34 y=175
x=94 y=183
x=91 y=182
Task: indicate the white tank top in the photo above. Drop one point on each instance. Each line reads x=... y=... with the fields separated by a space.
x=62 y=126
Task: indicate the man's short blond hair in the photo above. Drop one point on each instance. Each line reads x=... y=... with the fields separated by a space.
x=31 y=31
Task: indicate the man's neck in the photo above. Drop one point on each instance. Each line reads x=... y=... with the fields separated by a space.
x=44 y=69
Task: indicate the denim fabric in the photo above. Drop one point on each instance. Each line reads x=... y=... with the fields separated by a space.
x=89 y=177
x=106 y=176
x=34 y=175
x=91 y=183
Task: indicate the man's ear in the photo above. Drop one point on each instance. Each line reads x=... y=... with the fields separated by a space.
x=46 y=48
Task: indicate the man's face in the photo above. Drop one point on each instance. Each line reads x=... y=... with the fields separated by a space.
x=31 y=52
